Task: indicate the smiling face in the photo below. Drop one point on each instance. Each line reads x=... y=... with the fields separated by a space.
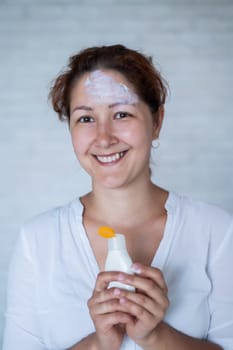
x=111 y=129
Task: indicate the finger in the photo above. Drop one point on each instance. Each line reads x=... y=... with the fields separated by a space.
x=144 y=285
x=104 y=278
x=112 y=302
x=103 y=296
x=105 y=322
x=105 y=307
x=150 y=272
x=142 y=300
x=139 y=312
x=147 y=318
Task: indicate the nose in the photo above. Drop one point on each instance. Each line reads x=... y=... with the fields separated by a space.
x=105 y=136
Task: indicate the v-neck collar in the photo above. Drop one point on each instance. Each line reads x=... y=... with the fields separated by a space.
x=162 y=252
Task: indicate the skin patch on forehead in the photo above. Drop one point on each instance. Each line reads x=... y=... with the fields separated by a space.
x=100 y=87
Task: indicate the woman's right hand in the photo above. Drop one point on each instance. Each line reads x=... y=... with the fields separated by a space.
x=106 y=313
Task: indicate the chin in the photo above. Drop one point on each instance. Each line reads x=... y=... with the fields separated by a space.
x=111 y=183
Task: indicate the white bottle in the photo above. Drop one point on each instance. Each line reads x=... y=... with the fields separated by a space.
x=118 y=259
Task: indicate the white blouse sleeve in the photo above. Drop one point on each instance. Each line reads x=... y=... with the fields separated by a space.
x=21 y=328
x=221 y=297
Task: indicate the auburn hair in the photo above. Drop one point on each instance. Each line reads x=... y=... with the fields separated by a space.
x=137 y=68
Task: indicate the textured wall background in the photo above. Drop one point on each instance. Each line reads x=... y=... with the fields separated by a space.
x=191 y=41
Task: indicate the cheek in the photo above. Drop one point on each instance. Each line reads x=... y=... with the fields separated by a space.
x=137 y=134
x=79 y=141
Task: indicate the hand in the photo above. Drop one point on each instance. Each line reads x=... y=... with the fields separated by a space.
x=147 y=306
x=106 y=313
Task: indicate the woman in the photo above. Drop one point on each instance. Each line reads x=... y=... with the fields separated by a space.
x=58 y=296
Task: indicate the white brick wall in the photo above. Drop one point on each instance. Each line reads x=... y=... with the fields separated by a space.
x=192 y=42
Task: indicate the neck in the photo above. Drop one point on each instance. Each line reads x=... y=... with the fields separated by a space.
x=123 y=205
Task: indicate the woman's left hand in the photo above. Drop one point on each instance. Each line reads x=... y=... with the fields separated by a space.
x=147 y=306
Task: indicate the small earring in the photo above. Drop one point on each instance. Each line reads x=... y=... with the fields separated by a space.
x=155 y=143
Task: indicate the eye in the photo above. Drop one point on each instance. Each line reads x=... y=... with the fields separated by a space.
x=86 y=119
x=122 y=115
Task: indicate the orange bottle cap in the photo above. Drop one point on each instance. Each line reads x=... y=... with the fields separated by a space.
x=106 y=232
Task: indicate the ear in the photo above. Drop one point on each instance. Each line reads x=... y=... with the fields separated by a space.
x=158 y=123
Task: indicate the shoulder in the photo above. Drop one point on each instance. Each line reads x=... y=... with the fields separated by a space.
x=204 y=220
x=49 y=224
x=201 y=212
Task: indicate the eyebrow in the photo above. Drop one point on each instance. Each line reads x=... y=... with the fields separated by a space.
x=86 y=108
x=121 y=103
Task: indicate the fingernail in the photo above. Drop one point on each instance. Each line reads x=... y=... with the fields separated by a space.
x=135 y=268
x=116 y=291
x=121 y=277
x=122 y=300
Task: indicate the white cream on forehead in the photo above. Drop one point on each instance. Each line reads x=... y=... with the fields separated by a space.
x=100 y=87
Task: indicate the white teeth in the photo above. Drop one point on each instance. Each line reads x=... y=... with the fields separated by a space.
x=110 y=159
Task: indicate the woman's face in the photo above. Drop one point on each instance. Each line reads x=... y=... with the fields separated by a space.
x=111 y=129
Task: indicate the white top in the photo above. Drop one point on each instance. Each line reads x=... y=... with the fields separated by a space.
x=53 y=272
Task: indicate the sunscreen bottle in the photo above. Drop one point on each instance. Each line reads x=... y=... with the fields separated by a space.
x=118 y=258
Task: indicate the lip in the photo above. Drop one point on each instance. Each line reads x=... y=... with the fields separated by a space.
x=109 y=159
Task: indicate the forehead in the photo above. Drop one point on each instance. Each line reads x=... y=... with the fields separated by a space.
x=105 y=85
